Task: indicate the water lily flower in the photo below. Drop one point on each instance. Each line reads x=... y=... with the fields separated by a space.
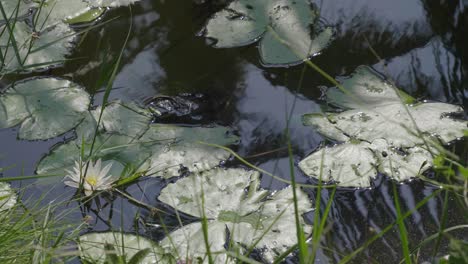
x=96 y=178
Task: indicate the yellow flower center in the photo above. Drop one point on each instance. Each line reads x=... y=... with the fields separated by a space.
x=91 y=180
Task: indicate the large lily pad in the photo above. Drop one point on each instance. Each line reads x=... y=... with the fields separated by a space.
x=237 y=209
x=52 y=12
x=380 y=132
x=7 y=197
x=15 y=10
x=45 y=107
x=283 y=25
x=181 y=147
x=118 y=118
x=24 y=49
x=95 y=246
x=111 y=3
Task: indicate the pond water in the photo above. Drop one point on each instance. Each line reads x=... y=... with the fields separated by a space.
x=421 y=46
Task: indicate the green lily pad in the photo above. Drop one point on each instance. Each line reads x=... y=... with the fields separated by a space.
x=95 y=247
x=119 y=150
x=8 y=197
x=118 y=118
x=34 y=49
x=52 y=12
x=45 y=107
x=283 y=25
x=180 y=146
x=111 y=3
x=248 y=216
x=15 y=10
x=381 y=133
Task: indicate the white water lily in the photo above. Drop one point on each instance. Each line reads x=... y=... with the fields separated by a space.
x=95 y=179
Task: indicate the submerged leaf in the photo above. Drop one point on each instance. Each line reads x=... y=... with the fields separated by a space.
x=45 y=107
x=93 y=247
x=284 y=25
x=247 y=216
x=52 y=12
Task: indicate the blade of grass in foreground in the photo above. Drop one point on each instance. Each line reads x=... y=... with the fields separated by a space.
x=401 y=225
x=349 y=257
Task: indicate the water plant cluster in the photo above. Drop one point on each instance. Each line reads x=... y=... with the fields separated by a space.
x=111 y=145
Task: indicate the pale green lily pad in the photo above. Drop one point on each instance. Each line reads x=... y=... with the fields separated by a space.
x=92 y=247
x=111 y=3
x=36 y=50
x=383 y=126
x=17 y=9
x=234 y=203
x=118 y=118
x=45 y=107
x=8 y=197
x=400 y=165
x=394 y=124
x=363 y=89
x=348 y=164
x=188 y=243
x=231 y=183
x=321 y=123
x=52 y=12
x=120 y=150
x=180 y=146
x=284 y=25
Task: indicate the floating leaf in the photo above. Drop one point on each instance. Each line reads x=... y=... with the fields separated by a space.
x=247 y=216
x=15 y=10
x=45 y=107
x=180 y=146
x=35 y=49
x=52 y=12
x=349 y=164
x=118 y=118
x=93 y=248
x=120 y=150
x=394 y=133
x=283 y=24
x=7 y=197
x=111 y=3
x=363 y=89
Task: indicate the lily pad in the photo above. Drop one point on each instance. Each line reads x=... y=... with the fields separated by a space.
x=45 y=107
x=7 y=197
x=95 y=246
x=283 y=25
x=237 y=209
x=52 y=12
x=34 y=49
x=15 y=10
x=111 y=3
x=118 y=118
x=181 y=148
x=381 y=133
x=119 y=150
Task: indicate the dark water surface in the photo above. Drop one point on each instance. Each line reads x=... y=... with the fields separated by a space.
x=421 y=45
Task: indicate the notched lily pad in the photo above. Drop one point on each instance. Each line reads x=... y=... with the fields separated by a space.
x=45 y=107
x=283 y=25
x=236 y=206
x=377 y=122
x=99 y=247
